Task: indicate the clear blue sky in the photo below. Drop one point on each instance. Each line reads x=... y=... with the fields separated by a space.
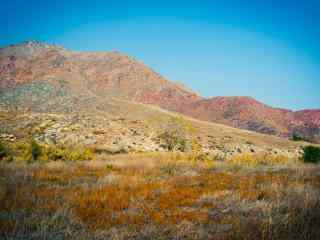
x=267 y=49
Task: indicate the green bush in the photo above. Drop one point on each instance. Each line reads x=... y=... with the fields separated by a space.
x=35 y=150
x=297 y=137
x=311 y=154
x=4 y=152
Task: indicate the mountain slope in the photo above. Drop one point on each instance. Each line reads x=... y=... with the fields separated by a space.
x=242 y=112
x=87 y=74
x=40 y=77
x=248 y=113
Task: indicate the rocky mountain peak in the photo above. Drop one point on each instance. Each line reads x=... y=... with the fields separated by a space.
x=29 y=49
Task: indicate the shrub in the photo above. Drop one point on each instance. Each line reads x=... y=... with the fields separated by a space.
x=80 y=155
x=244 y=160
x=169 y=169
x=311 y=154
x=27 y=151
x=174 y=136
x=297 y=137
x=56 y=153
x=5 y=152
x=196 y=154
x=35 y=150
x=173 y=141
x=24 y=151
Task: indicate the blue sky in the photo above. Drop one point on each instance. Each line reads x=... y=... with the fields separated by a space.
x=269 y=50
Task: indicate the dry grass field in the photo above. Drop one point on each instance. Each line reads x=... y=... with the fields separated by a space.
x=161 y=196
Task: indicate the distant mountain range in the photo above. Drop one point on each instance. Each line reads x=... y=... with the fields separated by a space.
x=40 y=77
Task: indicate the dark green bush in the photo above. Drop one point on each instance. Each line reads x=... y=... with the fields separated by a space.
x=297 y=137
x=4 y=151
x=311 y=154
x=36 y=150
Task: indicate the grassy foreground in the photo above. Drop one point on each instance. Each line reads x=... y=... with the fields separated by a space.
x=160 y=196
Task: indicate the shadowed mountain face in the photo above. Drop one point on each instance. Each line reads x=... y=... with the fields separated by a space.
x=46 y=78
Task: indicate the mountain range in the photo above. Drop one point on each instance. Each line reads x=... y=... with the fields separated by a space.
x=39 y=77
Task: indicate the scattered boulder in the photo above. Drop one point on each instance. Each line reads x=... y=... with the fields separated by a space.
x=7 y=137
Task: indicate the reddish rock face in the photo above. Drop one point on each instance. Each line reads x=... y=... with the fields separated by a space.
x=112 y=74
x=173 y=98
x=310 y=117
x=247 y=113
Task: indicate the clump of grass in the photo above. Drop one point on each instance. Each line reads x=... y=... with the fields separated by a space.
x=110 y=167
x=311 y=154
x=169 y=169
x=58 y=177
x=254 y=160
x=196 y=154
x=245 y=160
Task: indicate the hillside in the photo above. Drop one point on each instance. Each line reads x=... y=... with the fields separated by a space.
x=248 y=113
x=55 y=71
x=46 y=78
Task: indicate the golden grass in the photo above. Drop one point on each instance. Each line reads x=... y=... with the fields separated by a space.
x=156 y=202
x=145 y=194
x=253 y=160
x=164 y=202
